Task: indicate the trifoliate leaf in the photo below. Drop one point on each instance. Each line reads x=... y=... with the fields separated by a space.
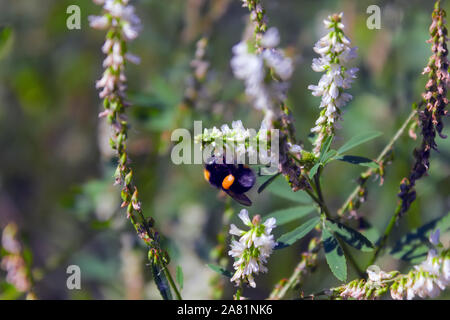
x=349 y=235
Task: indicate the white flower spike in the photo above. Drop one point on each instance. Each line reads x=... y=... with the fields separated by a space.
x=120 y=17
x=253 y=248
x=335 y=54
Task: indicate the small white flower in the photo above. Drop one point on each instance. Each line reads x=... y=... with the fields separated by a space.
x=243 y=215
x=235 y=230
x=9 y=241
x=98 y=22
x=129 y=31
x=376 y=274
x=446 y=271
x=133 y=58
x=398 y=293
x=271 y=38
x=280 y=64
x=434 y=237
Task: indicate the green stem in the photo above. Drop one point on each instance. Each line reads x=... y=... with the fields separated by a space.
x=313 y=196
x=302 y=266
x=238 y=294
x=321 y=201
x=386 y=234
x=290 y=283
x=172 y=283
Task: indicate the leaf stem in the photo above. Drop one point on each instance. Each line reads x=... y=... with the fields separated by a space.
x=279 y=294
x=386 y=234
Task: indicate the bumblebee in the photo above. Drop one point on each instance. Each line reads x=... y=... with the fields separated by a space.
x=235 y=180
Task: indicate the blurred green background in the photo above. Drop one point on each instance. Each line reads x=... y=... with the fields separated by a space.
x=56 y=171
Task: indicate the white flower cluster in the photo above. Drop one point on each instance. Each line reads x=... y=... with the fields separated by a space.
x=237 y=142
x=335 y=53
x=427 y=280
x=254 y=68
x=253 y=248
x=124 y=25
x=355 y=290
x=372 y=288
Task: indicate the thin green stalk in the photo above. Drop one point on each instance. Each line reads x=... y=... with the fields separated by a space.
x=238 y=294
x=291 y=282
x=172 y=283
x=308 y=260
x=386 y=234
x=313 y=196
x=324 y=207
x=319 y=198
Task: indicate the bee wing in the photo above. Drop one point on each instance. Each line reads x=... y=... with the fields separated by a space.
x=241 y=198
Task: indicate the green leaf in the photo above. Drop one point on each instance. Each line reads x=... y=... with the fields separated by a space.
x=349 y=235
x=334 y=255
x=280 y=188
x=290 y=238
x=220 y=270
x=359 y=139
x=284 y=216
x=325 y=147
x=268 y=182
x=180 y=277
x=161 y=282
x=313 y=170
x=413 y=247
x=362 y=161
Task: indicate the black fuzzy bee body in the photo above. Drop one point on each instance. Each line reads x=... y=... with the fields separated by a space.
x=235 y=180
